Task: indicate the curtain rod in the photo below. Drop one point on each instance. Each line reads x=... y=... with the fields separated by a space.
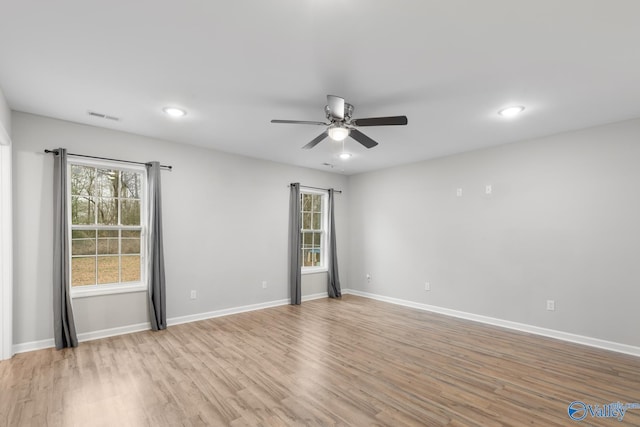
x=317 y=188
x=106 y=158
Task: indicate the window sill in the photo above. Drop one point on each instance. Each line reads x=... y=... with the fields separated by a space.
x=96 y=290
x=314 y=270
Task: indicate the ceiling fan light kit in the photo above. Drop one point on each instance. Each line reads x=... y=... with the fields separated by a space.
x=341 y=124
x=338 y=133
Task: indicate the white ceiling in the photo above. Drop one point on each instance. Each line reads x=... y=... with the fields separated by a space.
x=237 y=64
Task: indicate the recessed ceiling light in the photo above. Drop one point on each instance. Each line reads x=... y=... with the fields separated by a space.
x=345 y=156
x=511 y=111
x=174 y=112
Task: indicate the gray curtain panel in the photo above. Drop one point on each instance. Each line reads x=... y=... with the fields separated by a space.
x=295 y=251
x=334 y=278
x=64 y=329
x=155 y=253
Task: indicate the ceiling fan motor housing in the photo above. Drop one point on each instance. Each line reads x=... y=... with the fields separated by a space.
x=348 y=113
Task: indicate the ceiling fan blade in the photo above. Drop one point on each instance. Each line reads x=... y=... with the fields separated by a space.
x=316 y=140
x=381 y=121
x=336 y=106
x=300 y=122
x=362 y=138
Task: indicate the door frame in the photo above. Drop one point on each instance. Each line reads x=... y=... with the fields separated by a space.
x=6 y=248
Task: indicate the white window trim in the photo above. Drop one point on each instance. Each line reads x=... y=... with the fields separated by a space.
x=114 y=288
x=325 y=224
x=96 y=290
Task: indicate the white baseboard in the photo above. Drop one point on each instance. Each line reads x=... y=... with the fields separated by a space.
x=224 y=312
x=33 y=345
x=112 y=332
x=314 y=296
x=105 y=333
x=236 y=310
x=82 y=337
x=551 y=333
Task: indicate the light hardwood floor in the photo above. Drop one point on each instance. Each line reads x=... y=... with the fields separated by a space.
x=355 y=362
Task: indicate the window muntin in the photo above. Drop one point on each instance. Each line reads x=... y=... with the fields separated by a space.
x=313 y=207
x=106 y=234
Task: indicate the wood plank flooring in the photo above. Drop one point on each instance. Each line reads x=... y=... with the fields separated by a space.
x=351 y=362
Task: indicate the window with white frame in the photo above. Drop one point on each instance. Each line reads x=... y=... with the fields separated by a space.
x=313 y=209
x=107 y=233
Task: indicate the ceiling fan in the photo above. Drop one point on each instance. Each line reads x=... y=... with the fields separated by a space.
x=341 y=124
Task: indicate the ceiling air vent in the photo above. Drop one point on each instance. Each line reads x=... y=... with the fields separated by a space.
x=103 y=116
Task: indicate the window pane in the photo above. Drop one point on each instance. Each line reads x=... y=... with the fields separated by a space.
x=316 y=248
x=83 y=234
x=307 y=240
x=131 y=268
x=108 y=242
x=311 y=249
x=130 y=212
x=82 y=210
x=130 y=242
x=83 y=245
x=306 y=258
x=306 y=202
x=83 y=271
x=108 y=269
x=130 y=185
x=82 y=180
x=311 y=257
x=107 y=183
x=317 y=203
x=306 y=221
x=317 y=225
x=317 y=245
x=108 y=211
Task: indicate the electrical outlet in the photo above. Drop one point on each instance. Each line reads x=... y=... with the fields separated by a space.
x=551 y=305
x=368 y=278
x=488 y=189
x=459 y=192
x=264 y=284
x=427 y=286
x=194 y=295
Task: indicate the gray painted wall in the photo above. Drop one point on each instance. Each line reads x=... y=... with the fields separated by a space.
x=225 y=226
x=562 y=223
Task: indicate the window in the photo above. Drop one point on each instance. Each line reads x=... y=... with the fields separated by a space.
x=313 y=235
x=107 y=232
